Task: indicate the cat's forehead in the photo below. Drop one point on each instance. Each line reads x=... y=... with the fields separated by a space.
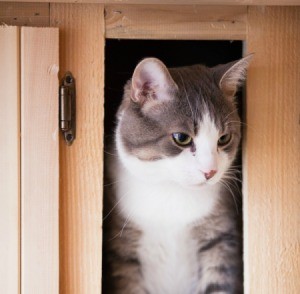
x=199 y=94
x=207 y=126
x=193 y=77
x=187 y=115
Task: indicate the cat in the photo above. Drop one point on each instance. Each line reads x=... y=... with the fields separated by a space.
x=170 y=219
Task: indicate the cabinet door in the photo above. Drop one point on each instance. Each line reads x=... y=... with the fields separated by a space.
x=39 y=160
x=9 y=159
x=29 y=160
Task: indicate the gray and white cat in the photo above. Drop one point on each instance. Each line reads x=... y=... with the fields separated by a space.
x=171 y=223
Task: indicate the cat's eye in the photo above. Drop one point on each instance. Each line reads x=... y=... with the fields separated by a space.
x=224 y=140
x=182 y=139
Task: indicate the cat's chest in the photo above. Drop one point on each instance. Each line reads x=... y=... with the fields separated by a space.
x=165 y=213
x=149 y=203
x=169 y=260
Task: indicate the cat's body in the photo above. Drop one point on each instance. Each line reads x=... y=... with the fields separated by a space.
x=171 y=222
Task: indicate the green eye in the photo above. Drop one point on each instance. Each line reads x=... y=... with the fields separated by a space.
x=182 y=139
x=224 y=140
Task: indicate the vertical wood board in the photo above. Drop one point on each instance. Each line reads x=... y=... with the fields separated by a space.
x=39 y=160
x=9 y=160
x=272 y=153
x=82 y=52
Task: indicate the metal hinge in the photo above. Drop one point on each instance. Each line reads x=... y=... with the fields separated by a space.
x=67 y=108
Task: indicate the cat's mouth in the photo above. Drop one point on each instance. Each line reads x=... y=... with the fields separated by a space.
x=195 y=186
x=202 y=184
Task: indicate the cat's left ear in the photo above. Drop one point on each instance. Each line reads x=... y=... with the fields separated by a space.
x=151 y=83
x=231 y=76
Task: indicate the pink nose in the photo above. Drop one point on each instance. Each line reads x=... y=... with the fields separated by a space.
x=210 y=174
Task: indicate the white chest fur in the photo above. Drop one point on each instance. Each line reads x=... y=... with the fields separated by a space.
x=168 y=256
x=163 y=203
x=165 y=212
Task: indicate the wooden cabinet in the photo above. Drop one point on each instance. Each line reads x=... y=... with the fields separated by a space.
x=271 y=145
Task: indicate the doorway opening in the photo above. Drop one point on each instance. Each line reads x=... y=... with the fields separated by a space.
x=121 y=58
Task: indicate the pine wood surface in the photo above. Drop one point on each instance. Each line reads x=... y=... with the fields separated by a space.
x=178 y=2
x=24 y=14
x=82 y=52
x=173 y=22
x=272 y=152
x=9 y=160
x=39 y=161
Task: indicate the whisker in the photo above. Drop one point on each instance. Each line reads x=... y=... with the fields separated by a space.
x=117 y=203
x=232 y=178
x=241 y=123
x=233 y=173
x=125 y=223
x=114 y=237
x=112 y=183
x=235 y=185
x=127 y=220
x=119 y=234
x=226 y=185
x=235 y=166
x=109 y=153
x=236 y=122
x=224 y=120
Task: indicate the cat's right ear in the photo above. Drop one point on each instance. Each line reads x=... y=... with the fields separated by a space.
x=151 y=82
x=231 y=76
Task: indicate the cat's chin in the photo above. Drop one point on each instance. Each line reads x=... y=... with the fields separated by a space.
x=198 y=186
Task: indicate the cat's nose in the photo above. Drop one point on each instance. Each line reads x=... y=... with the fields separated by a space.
x=210 y=174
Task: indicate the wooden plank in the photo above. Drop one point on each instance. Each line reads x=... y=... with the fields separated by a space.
x=82 y=52
x=9 y=160
x=272 y=157
x=24 y=14
x=178 y=2
x=174 y=22
x=39 y=160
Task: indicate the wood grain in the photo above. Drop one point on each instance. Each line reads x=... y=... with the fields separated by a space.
x=173 y=22
x=272 y=153
x=177 y=2
x=24 y=14
x=9 y=160
x=81 y=165
x=39 y=160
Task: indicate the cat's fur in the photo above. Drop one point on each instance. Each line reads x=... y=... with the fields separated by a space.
x=168 y=227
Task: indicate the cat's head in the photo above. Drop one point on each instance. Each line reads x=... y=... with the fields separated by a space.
x=180 y=125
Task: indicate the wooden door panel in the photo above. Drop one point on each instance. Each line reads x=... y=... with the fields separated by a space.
x=39 y=160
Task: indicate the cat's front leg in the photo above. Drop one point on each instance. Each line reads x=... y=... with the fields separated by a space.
x=220 y=261
x=126 y=276
x=123 y=273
